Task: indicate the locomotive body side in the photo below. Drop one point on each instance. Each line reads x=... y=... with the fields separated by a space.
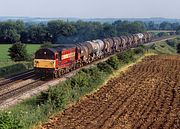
x=67 y=58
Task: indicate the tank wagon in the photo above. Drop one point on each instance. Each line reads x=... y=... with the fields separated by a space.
x=63 y=58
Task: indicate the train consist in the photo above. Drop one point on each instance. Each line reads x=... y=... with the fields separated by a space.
x=62 y=58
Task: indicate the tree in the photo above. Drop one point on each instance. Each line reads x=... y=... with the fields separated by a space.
x=37 y=33
x=59 y=28
x=108 y=30
x=152 y=26
x=165 y=26
x=18 y=52
x=10 y=31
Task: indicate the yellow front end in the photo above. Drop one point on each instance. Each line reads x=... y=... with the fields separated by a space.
x=43 y=63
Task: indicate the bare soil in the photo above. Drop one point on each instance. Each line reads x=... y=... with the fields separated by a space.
x=146 y=96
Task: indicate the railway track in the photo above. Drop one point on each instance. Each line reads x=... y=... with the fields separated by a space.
x=21 y=83
x=162 y=39
x=20 y=89
x=11 y=79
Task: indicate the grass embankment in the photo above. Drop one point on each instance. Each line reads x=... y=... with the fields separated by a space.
x=8 y=67
x=39 y=108
x=165 y=47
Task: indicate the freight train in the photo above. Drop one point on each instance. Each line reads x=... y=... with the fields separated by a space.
x=60 y=59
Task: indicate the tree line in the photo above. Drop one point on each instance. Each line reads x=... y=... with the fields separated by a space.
x=59 y=31
x=162 y=26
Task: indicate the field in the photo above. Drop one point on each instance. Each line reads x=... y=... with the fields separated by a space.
x=4 y=58
x=146 y=96
x=31 y=48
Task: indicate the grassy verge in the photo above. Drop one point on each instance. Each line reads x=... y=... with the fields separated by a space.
x=86 y=81
x=165 y=47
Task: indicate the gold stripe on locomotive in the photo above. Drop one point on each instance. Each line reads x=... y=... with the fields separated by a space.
x=43 y=63
x=69 y=55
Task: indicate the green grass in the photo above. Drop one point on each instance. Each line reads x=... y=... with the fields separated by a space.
x=164 y=47
x=4 y=52
x=31 y=48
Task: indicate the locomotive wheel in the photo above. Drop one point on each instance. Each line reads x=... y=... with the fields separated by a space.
x=59 y=73
x=56 y=74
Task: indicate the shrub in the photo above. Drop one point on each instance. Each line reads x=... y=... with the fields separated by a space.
x=172 y=43
x=56 y=97
x=127 y=56
x=103 y=66
x=95 y=76
x=80 y=80
x=7 y=121
x=18 y=52
x=113 y=62
x=139 y=50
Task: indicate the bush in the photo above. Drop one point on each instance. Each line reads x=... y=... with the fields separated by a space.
x=103 y=66
x=139 y=50
x=56 y=97
x=172 y=43
x=127 y=56
x=113 y=62
x=95 y=76
x=18 y=52
x=80 y=80
x=7 y=121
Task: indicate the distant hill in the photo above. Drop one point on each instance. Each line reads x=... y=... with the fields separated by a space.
x=102 y=20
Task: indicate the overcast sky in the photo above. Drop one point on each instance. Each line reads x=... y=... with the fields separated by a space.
x=91 y=8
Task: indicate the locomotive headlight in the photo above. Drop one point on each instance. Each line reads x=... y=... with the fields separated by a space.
x=52 y=63
x=36 y=62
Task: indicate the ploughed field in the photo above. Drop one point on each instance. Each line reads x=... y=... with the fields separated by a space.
x=146 y=96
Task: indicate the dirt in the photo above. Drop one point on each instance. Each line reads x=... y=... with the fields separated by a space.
x=146 y=96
